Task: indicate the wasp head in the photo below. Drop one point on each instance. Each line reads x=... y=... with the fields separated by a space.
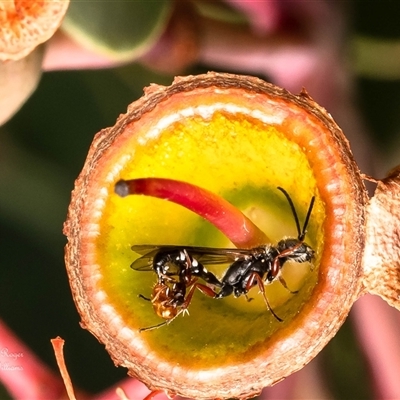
x=296 y=250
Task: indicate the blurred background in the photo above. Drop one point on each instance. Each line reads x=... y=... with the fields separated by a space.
x=346 y=54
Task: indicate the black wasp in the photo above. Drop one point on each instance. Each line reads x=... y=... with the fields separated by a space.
x=178 y=269
x=178 y=273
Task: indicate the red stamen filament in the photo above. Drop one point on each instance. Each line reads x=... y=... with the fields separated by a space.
x=239 y=229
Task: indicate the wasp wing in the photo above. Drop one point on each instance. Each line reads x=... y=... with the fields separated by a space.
x=145 y=262
x=216 y=255
x=205 y=255
x=148 y=252
x=147 y=249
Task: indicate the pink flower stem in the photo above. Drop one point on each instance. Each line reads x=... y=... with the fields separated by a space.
x=242 y=232
x=378 y=331
x=22 y=373
x=131 y=389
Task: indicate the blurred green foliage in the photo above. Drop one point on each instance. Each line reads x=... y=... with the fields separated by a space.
x=121 y=29
x=42 y=151
x=379 y=99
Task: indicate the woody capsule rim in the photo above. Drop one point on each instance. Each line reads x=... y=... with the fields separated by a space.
x=342 y=190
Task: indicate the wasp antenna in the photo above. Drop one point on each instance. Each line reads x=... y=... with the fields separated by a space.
x=273 y=313
x=143 y=297
x=307 y=220
x=292 y=207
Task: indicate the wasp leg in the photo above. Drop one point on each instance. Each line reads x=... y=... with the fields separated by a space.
x=256 y=277
x=284 y=284
x=205 y=290
x=150 y=328
x=248 y=299
x=195 y=285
